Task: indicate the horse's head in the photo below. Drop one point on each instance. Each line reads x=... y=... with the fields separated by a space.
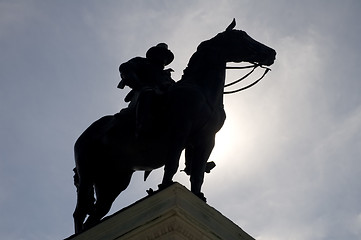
x=238 y=46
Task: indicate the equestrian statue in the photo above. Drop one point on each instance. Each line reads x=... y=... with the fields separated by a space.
x=163 y=118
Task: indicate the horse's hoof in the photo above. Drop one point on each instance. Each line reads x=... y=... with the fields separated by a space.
x=201 y=196
x=150 y=191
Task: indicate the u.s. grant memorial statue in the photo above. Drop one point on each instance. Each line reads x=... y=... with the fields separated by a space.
x=164 y=118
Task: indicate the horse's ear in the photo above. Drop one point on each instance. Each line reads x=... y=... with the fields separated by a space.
x=231 y=26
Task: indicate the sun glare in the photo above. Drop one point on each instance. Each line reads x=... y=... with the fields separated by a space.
x=226 y=142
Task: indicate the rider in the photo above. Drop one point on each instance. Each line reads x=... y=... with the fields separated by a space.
x=147 y=78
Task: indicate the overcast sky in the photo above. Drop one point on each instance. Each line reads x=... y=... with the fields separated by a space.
x=288 y=156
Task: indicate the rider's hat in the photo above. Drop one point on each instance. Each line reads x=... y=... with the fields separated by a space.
x=160 y=52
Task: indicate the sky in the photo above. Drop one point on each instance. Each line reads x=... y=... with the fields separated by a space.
x=288 y=156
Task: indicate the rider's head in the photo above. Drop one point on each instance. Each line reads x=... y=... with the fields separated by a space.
x=160 y=54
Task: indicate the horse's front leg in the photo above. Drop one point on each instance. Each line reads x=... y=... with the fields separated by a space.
x=199 y=156
x=175 y=146
x=171 y=166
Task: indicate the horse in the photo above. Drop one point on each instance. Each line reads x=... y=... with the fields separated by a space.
x=107 y=153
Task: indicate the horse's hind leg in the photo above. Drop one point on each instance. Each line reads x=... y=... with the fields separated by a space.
x=107 y=191
x=199 y=155
x=85 y=202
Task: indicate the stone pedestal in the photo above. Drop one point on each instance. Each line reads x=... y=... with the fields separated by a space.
x=171 y=214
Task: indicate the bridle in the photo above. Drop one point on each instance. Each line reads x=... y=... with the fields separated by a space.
x=253 y=66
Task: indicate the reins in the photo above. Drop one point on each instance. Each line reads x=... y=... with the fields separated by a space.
x=254 y=66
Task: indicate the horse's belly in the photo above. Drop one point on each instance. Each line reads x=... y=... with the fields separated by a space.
x=148 y=158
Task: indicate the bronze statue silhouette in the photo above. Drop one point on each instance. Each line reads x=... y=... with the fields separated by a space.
x=188 y=115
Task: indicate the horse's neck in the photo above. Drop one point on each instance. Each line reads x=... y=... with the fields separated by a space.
x=207 y=71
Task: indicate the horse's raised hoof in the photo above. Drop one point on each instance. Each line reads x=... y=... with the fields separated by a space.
x=209 y=166
x=201 y=196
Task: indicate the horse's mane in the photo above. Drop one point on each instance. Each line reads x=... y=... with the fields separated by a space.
x=193 y=64
x=204 y=48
